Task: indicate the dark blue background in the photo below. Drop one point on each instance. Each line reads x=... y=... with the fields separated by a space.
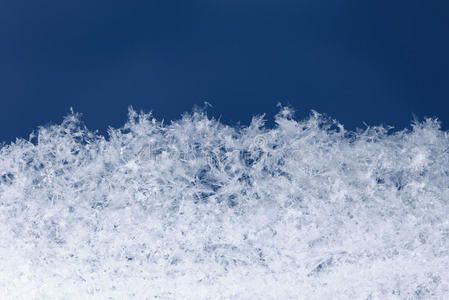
x=358 y=61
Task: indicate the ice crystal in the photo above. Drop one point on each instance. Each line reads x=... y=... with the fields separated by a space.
x=196 y=209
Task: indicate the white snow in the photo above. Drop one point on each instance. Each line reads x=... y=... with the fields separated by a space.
x=199 y=210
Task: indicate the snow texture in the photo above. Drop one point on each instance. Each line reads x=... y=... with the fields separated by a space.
x=196 y=209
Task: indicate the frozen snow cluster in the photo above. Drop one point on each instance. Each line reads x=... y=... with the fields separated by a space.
x=196 y=209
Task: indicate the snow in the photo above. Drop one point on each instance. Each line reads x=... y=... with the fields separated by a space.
x=197 y=209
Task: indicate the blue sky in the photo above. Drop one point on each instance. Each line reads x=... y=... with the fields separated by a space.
x=357 y=61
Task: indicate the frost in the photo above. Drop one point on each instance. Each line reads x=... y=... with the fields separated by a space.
x=196 y=209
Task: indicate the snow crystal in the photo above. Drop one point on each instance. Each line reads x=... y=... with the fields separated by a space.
x=196 y=209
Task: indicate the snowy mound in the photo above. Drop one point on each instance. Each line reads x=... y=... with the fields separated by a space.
x=200 y=210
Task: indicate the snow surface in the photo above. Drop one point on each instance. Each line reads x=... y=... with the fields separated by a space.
x=196 y=209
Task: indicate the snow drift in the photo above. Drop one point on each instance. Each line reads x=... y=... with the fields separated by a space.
x=196 y=209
